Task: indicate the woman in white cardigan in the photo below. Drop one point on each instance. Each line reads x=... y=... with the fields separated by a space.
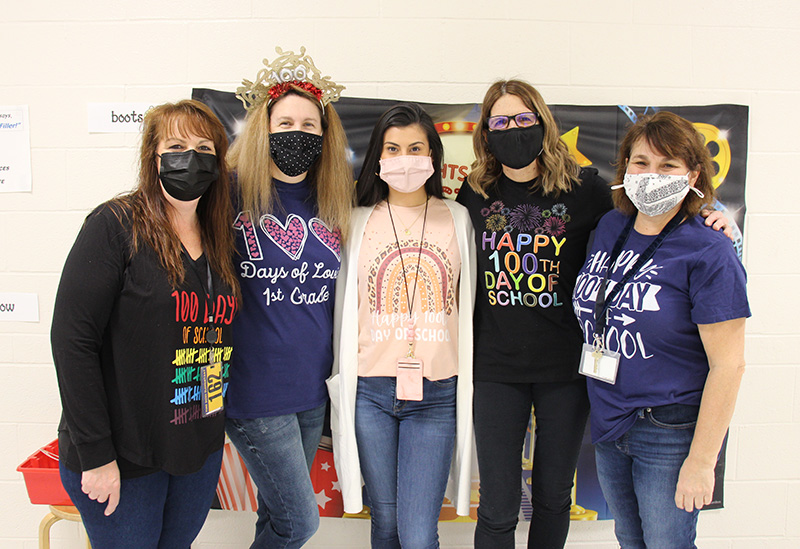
x=401 y=388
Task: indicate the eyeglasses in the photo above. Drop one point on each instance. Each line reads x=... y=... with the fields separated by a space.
x=523 y=120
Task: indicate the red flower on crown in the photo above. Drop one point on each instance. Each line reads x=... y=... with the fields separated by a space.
x=279 y=89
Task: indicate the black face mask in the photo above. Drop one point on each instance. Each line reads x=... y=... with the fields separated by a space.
x=294 y=152
x=186 y=175
x=516 y=147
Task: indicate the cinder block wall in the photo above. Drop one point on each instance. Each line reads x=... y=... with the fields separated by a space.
x=57 y=56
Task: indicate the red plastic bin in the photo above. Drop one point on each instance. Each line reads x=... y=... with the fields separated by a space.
x=42 y=479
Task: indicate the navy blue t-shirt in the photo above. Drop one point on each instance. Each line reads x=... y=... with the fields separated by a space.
x=693 y=278
x=287 y=264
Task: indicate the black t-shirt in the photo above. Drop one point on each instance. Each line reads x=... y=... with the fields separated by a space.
x=128 y=350
x=530 y=248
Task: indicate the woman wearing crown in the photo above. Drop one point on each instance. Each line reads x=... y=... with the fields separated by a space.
x=294 y=200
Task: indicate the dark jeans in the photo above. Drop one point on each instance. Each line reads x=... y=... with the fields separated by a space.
x=157 y=510
x=501 y=412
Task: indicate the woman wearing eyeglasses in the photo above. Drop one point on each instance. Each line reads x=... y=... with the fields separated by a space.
x=533 y=209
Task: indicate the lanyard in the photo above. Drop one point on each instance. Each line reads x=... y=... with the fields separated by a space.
x=603 y=301
x=410 y=298
x=208 y=288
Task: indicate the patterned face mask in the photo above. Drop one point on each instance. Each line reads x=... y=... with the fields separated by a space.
x=294 y=152
x=655 y=194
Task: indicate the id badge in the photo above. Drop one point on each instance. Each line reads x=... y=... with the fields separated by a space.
x=409 y=379
x=599 y=364
x=211 y=388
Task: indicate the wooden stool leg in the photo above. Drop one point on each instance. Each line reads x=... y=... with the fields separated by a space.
x=44 y=530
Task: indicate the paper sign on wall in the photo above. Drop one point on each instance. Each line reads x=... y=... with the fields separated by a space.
x=15 y=149
x=117 y=117
x=18 y=307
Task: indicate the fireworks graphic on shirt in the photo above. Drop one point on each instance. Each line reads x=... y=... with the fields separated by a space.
x=554 y=226
x=496 y=222
x=526 y=217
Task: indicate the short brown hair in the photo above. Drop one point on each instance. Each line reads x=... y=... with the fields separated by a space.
x=674 y=137
x=558 y=171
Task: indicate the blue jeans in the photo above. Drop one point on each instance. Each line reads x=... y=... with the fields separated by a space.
x=278 y=452
x=156 y=510
x=638 y=473
x=405 y=448
x=502 y=412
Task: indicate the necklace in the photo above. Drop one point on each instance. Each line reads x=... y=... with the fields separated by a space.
x=410 y=297
x=407 y=228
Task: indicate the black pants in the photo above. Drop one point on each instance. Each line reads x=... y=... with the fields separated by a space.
x=501 y=412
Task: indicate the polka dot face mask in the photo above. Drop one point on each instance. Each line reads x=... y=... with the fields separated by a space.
x=294 y=152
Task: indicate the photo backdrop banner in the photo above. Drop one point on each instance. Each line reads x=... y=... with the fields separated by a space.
x=592 y=134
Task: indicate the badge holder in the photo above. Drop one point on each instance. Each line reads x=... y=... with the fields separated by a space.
x=409 y=372
x=211 y=383
x=599 y=363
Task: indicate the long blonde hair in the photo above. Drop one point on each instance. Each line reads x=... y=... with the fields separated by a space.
x=558 y=171
x=331 y=176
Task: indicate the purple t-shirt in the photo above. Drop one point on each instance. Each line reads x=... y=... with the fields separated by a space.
x=693 y=278
x=287 y=264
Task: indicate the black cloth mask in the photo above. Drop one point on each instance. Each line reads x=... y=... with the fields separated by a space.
x=516 y=147
x=186 y=175
x=294 y=152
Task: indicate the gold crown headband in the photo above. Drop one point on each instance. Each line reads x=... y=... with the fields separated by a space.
x=287 y=71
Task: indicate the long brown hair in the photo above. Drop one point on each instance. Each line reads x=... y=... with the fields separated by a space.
x=674 y=137
x=148 y=209
x=558 y=171
x=331 y=176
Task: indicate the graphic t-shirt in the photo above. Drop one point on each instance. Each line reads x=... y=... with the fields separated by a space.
x=693 y=278
x=383 y=311
x=128 y=349
x=287 y=264
x=530 y=248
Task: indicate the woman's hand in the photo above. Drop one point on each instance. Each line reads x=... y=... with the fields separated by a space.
x=724 y=346
x=717 y=221
x=695 y=485
x=102 y=484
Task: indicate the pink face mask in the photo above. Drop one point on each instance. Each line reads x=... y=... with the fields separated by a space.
x=406 y=174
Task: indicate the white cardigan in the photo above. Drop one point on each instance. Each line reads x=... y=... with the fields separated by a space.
x=344 y=379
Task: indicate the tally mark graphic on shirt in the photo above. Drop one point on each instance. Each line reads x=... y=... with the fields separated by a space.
x=190 y=311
